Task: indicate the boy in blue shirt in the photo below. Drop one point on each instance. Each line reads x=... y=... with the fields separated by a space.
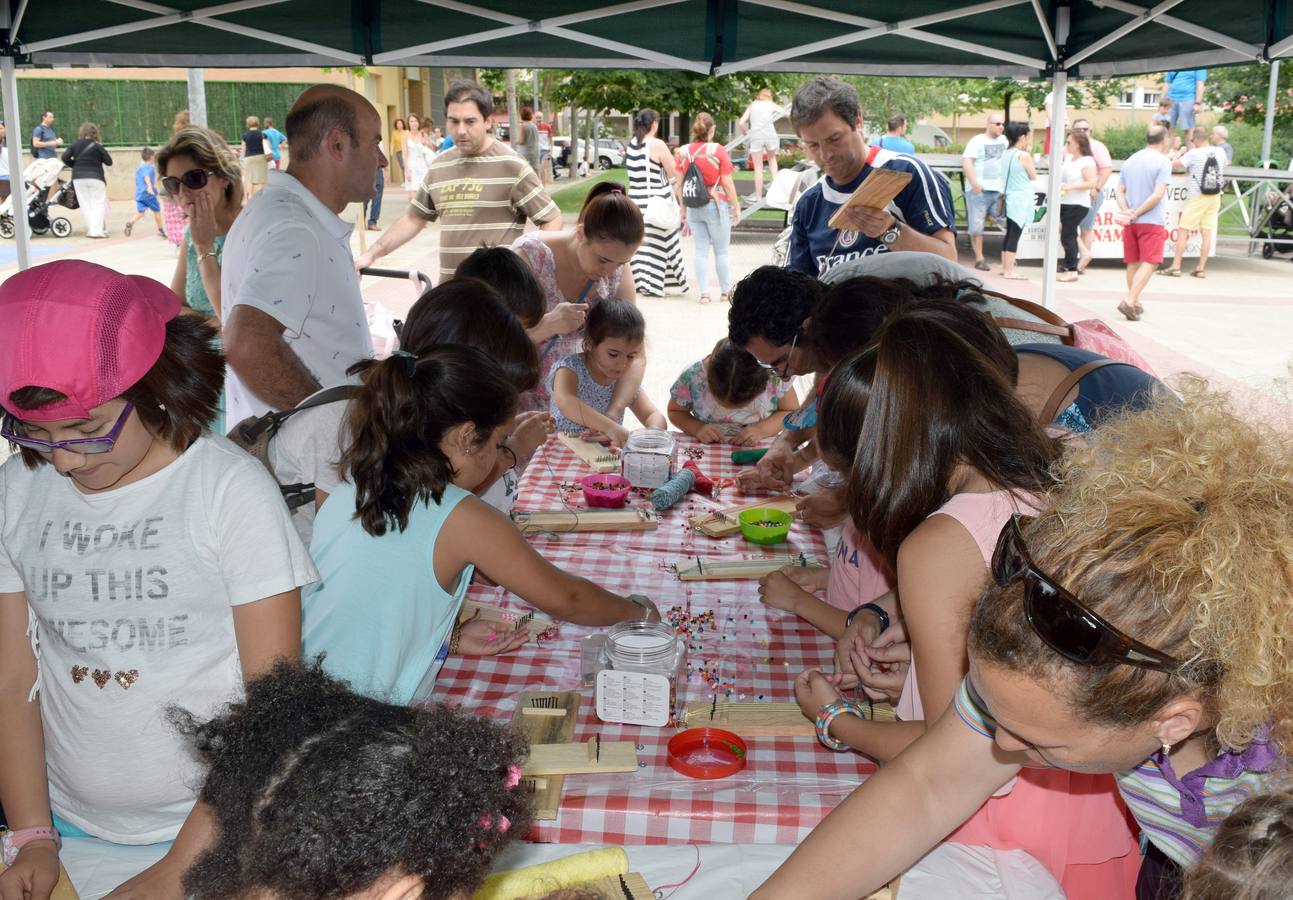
x=276 y=139
x=1185 y=89
x=146 y=193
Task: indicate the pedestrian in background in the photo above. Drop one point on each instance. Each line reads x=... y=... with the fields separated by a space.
x=759 y=121
x=4 y=164
x=1184 y=88
x=527 y=142
x=277 y=140
x=1019 y=194
x=146 y=192
x=1142 y=184
x=87 y=157
x=399 y=132
x=417 y=155
x=255 y=164
x=374 y=206
x=981 y=163
x=1078 y=178
x=710 y=225
x=895 y=137
x=1103 y=169
x=44 y=139
x=658 y=266
x=1202 y=199
x=173 y=218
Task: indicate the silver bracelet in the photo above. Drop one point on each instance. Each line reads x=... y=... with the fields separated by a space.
x=206 y=255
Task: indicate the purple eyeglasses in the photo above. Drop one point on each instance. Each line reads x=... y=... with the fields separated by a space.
x=102 y=444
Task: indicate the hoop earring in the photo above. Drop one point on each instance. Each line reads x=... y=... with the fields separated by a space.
x=1167 y=748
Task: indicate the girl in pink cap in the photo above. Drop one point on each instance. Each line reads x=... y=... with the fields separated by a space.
x=146 y=563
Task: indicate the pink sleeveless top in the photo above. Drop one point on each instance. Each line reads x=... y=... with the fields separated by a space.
x=1074 y=824
x=858 y=573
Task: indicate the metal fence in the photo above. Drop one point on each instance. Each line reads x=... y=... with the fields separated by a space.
x=141 y=112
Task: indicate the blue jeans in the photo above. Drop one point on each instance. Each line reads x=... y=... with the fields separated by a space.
x=977 y=206
x=1088 y=224
x=375 y=204
x=1182 y=114
x=711 y=225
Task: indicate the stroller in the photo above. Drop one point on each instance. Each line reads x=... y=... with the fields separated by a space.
x=42 y=188
x=1278 y=233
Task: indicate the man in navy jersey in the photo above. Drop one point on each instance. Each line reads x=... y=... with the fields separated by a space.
x=828 y=121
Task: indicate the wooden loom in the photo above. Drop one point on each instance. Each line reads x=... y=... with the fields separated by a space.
x=507 y=621
x=546 y=728
x=876 y=192
x=723 y=522
x=560 y=521
x=697 y=569
x=597 y=457
x=760 y=719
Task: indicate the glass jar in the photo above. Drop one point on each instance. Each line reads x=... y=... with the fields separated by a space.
x=647 y=459
x=641 y=665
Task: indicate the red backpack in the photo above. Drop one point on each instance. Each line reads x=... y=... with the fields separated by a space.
x=1089 y=334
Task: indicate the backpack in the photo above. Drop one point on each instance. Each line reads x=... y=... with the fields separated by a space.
x=695 y=194
x=1088 y=334
x=254 y=433
x=1210 y=178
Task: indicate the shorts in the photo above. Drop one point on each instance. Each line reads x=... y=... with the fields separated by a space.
x=1201 y=212
x=1183 y=114
x=977 y=207
x=147 y=203
x=1088 y=224
x=1143 y=243
x=256 y=167
x=764 y=145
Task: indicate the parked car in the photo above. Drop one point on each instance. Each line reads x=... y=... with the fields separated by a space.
x=610 y=152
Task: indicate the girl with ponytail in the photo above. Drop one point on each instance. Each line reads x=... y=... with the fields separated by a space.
x=397 y=541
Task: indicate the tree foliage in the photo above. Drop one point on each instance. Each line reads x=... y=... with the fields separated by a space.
x=1240 y=93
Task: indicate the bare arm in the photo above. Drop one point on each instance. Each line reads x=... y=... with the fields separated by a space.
x=476 y=533
x=648 y=413
x=565 y=393
x=1027 y=162
x=405 y=229
x=682 y=419
x=257 y=353
x=729 y=191
x=554 y=224
x=967 y=168
x=942 y=242
x=1150 y=203
x=180 y=275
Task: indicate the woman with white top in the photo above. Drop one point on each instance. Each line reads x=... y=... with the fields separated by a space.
x=1078 y=178
x=758 y=122
x=416 y=155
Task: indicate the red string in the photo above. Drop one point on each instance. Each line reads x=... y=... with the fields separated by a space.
x=659 y=892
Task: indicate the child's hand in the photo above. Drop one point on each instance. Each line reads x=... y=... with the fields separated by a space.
x=619 y=436
x=811 y=580
x=813 y=690
x=529 y=431
x=890 y=657
x=708 y=434
x=476 y=637
x=33 y=874
x=779 y=592
x=748 y=436
x=823 y=508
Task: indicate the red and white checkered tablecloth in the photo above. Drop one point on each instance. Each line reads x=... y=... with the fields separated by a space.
x=751 y=652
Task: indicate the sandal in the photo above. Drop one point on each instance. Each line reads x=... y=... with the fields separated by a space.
x=1198 y=273
x=1014 y=276
x=727 y=298
x=704 y=299
x=1132 y=313
x=1170 y=273
x=129 y=227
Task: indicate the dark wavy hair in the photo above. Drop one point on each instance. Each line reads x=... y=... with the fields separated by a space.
x=851 y=312
x=933 y=391
x=609 y=215
x=318 y=792
x=614 y=318
x=177 y=398
x=469 y=312
x=735 y=377
x=399 y=416
x=771 y=303
x=643 y=119
x=506 y=272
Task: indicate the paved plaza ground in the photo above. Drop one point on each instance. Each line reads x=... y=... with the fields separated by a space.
x=1235 y=327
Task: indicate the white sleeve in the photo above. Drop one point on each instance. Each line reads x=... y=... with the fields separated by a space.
x=259 y=551
x=10 y=575
x=280 y=274
x=308 y=447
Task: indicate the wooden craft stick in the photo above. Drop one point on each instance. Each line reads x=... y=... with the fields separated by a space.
x=698 y=569
x=582 y=759
x=600 y=459
x=876 y=192
x=723 y=522
x=562 y=521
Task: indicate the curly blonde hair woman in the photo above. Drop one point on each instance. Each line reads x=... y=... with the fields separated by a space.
x=1141 y=626
x=197 y=170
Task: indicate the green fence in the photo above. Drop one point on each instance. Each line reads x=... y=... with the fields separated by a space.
x=141 y=112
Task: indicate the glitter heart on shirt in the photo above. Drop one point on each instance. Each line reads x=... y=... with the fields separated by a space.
x=79 y=673
x=100 y=677
x=126 y=679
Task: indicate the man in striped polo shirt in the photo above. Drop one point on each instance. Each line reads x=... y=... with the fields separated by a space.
x=481 y=190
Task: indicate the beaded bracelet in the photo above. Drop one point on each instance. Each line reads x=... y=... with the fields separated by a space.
x=828 y=714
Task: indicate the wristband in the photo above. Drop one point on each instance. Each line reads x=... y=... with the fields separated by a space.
x=828 y=714
x=873 y=607
x=13 y=841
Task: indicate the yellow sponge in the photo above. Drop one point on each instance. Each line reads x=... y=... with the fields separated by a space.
x=555 y=875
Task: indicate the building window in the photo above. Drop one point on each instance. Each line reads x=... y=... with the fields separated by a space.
x=1149 y=100
x=1126 y=99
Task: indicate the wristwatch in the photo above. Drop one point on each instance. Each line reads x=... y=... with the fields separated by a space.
x=890 y=235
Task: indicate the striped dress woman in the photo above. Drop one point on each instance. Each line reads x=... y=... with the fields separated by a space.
x=657 y=266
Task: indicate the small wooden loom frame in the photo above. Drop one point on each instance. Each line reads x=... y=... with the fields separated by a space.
x=697 y=569
x=506 y=621
x=547 y=717
x=631 y=886
x=876 y=192
x=600 y=459
x=561 y=521
x=724 y=522
x=763 y=719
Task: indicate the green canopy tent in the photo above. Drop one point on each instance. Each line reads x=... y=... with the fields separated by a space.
x=1055 y=39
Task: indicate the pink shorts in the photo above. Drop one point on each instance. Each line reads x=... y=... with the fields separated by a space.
x=1143 y=243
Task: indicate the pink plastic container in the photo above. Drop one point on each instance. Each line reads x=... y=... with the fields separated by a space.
x=605 y=491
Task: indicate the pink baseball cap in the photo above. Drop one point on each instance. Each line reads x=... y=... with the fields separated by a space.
x=81 y=329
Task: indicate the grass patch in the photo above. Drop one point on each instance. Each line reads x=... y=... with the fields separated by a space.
x=570 y=199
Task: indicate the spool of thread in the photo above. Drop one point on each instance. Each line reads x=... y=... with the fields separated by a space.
x=545 y=878
x=673 y=490
x=747 y=457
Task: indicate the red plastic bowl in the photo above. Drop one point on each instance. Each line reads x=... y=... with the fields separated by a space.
x=706 y=753
x=612 y=497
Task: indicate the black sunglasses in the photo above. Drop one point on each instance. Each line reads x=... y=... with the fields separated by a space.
x=1062 y=620
x=193 y=179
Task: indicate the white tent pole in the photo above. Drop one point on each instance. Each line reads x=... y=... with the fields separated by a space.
x=1059 y=115
x=1271 y=93
x=1046 y=29
x=13 y=147
x=17 y=22
x=197 y=97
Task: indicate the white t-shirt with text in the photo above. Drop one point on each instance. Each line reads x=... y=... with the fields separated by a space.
x=988 y=154
x=131 y=593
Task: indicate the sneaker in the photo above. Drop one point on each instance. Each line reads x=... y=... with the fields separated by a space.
x=1132 y=313
x=161 y=233
x=982 y=265
x=129 y=227
x=1066 y=276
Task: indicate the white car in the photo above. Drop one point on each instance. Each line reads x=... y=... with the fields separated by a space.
x=610 y=151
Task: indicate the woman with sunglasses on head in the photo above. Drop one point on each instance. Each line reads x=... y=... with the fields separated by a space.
x=198 y=171
x=146 y=562
x=1141 y=626
x=939 y=454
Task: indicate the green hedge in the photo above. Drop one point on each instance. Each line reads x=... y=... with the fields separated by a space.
x=1124 y=140
x=141 y=112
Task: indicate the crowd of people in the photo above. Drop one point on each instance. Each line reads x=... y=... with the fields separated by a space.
x=1071 y=581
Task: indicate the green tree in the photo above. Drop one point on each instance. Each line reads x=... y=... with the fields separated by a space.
x=1240 y=93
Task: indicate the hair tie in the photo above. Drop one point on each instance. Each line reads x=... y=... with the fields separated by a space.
x=616 y=189
x=410 y=361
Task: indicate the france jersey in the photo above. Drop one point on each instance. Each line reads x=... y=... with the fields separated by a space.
x=925 y=204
